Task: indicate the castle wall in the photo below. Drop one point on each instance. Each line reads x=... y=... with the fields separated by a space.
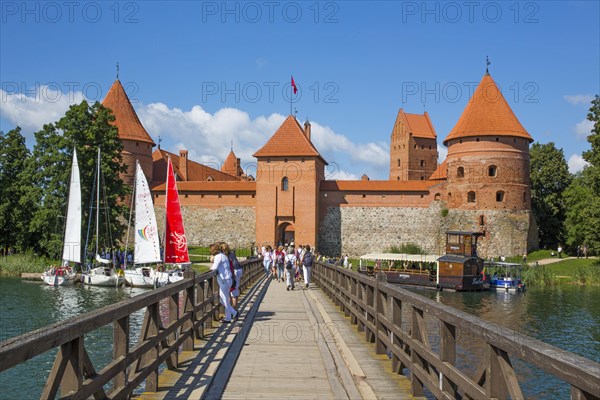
x=235 y=225
x=136 y=150
x=358 y=230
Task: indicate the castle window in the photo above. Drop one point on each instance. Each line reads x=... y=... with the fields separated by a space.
x=524 y=197
x=449 y=195
x=460 y=141
x=460 y=172
x=497 y=139
x=492 y=170
x=500 y=196
x=422 y=163
x=253 y=195
x=285 y=160
x=422 y=147
x=268 y=160
x=284 y=184
x=186 y=196
x=398 y=177
x=471 y=197
x=422 y=178
x=437 y=197
x=220 y=195
x=364 y=195
x=210 y=178
x=481 y=220
x=422 y=196
x=201 y=196
x=477 y=139
x=237 y=196
x=429 y=147
x=398 y=163
x=415 y=146
x=137 y=144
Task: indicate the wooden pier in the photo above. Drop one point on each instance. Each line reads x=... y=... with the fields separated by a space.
x=347 y=336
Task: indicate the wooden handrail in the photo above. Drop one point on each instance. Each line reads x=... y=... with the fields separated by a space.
x=73 y=372
x=394 y=319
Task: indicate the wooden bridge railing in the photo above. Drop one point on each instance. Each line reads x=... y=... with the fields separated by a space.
x=395 y=320
x=73 y=372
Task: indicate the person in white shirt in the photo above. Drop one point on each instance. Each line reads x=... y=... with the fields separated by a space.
x=267 y=259
x=224 y=278
x=346 y=261
x=290 y=268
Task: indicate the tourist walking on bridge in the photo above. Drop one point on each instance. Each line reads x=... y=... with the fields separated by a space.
x=267 y=259
x=224 y=278
x=307 y=261
x=290 y=268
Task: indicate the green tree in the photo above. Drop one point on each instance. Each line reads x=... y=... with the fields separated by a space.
x=86 y=128
x=13 y=218
x=582 y=198
x=549 y=178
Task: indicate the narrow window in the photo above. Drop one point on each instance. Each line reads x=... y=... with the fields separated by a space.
x=492 y=170
x=364 y=195
x=460 y=172
x=471 y=197
x=524 y=197
x=481 y=220
x=284 y=184
x=210 y=178
x=437 y=196
x=422 y=163
x=499 y=196
x=398 y=163
x=497 y=139
x=422 y=178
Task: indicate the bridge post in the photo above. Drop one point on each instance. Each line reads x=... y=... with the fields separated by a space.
x=416 y=385
x=72 y=353
x=120 y=349
x=201 y=294
x=495 y=385
x=215 y=299
x=188 y=309
x=380 y=309
x=173 y=360
x=397 y=364
x=448 y=354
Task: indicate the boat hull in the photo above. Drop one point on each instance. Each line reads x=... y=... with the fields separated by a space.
x=53 y=279
x=102 y=277
x=142 y=278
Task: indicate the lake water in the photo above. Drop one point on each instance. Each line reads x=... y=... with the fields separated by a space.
x=564 y=316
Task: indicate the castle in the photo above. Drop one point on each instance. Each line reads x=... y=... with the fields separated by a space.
x=483 y=185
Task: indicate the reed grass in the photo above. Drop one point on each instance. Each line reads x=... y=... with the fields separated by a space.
x=16 y=264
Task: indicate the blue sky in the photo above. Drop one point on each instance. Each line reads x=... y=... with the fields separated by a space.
x=201 y=74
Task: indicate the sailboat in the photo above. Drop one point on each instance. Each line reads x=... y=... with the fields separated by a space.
x=104 y=274
x=176 y=249
x=147 y=247
x=63 y=274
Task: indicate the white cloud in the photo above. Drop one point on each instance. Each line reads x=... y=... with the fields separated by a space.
x=576 y=163
x=583 y=128
x=576 y=99
x=31 y=110
x=442 y=153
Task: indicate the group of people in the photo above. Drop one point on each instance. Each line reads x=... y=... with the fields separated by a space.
x=582 y=251
x=288 y=264
x=229 y=275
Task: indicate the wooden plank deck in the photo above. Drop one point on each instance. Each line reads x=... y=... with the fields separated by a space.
x=290 y=344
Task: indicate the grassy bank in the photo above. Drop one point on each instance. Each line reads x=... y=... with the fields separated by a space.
x=17 y=264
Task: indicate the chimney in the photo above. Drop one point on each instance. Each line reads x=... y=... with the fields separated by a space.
x=183 y=159
x=238 y=166
x=307 y=129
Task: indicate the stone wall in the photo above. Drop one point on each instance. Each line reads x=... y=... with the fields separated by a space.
x=203 y=226
x=361 y=230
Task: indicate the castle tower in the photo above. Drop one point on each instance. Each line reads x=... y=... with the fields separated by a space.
x=413 y=147
x=488 y=155
x=232 y=165
x=137 y=144
x=289 y=174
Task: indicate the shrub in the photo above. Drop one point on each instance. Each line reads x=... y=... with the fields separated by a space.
x=406 y=248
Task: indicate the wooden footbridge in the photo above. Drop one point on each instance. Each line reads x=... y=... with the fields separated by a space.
x=347 y=336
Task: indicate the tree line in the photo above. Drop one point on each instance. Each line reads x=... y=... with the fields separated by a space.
x=34 y=184
x=567 y=206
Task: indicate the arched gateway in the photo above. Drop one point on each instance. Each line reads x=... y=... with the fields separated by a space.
x=285 y=233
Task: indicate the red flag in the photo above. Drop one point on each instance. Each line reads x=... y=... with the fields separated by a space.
x=294 y=85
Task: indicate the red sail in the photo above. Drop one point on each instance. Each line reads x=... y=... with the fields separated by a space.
x=176 y=250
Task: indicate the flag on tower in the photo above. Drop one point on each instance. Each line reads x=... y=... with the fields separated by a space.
x=294 y=85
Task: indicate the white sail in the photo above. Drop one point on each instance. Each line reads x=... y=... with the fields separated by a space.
x=147 y=247
x=72 y=244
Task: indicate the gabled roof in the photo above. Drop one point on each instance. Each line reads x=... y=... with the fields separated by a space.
x=126 y=120
x=419 y=125
x=441 y=172
x=377 y=186
x=487 y=114
x=289 y=140
x=195 y=171
x=230 y=165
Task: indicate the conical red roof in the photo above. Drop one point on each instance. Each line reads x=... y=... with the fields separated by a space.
x=230 y=165
x=487 y=114
x=289 y=140
x=126 y=120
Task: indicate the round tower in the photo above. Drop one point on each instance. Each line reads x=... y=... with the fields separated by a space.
x=488 y=187
x=488 y=155
x=137 y=144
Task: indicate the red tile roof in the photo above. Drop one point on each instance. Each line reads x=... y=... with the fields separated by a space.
x=487 y=114
x=196 y=186
x=195 y=171
x=126 y=120
x=441 y=173
x=419 y=125
x=289 y=140
x=377 y=186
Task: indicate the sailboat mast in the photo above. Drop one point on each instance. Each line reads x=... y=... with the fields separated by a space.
x=166 y=211
x=133 y=194
x=98 y=202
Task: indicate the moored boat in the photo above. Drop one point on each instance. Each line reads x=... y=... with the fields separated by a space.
x=64 y=274
x=505 y=276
